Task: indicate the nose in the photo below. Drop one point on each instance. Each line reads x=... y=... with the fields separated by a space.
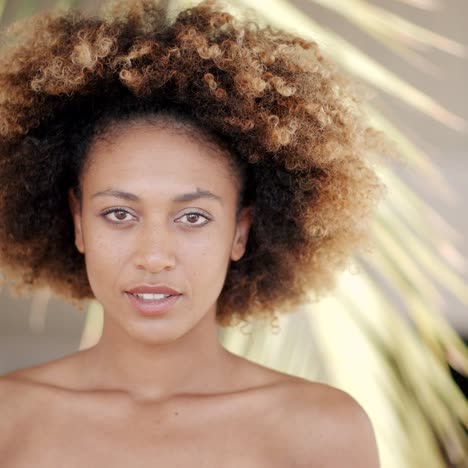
x=154 y=249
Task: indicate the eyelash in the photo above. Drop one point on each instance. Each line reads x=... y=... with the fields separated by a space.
x=114 y=210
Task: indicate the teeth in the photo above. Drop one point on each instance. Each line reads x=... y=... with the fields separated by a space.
x=149 y=297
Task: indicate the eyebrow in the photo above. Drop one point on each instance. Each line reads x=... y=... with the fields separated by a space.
x=184 y=197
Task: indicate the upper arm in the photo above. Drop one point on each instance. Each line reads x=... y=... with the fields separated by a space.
x=353 y=443
x=329 y=429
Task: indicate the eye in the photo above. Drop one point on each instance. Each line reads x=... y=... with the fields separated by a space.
x=119 y=215
x=193 y=217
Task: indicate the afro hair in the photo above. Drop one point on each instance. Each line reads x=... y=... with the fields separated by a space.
x=286 y=113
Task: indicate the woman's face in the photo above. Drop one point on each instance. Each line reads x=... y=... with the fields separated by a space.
x=147 y=218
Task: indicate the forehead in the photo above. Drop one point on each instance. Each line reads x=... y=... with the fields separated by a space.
x=153 y=155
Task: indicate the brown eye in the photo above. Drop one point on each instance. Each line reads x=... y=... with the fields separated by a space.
x=120 y=215
x=193 y=217
x=116 y=215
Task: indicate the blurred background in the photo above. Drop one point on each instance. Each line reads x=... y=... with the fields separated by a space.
x=405 y=316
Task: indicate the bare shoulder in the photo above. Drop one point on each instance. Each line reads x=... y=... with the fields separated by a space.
x=14 y=388
x=18 y=391
x=18 y=401
x=324 y=426
x=26 y=395
x=23 y=391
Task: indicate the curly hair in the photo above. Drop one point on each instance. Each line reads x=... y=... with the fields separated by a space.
x=291 y=121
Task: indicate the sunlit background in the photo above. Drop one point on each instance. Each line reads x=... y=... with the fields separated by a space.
x=393 y=334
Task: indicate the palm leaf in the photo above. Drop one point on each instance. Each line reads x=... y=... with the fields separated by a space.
x=426 y=406
x=395 y=32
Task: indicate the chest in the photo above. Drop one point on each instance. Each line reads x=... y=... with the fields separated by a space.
x=215 y=435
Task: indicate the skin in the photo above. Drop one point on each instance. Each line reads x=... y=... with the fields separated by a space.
x=153 y=241
x=154 y=385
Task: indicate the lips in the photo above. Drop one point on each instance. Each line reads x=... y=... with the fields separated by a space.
x=150 y=307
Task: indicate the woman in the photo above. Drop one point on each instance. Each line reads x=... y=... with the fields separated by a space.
x=187 y=174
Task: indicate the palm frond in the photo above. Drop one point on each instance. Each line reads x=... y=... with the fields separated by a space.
x=422 y=4
x=392 y=30
x=419 y=399
x=282 y=14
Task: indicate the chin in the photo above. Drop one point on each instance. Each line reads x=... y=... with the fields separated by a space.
x=156 y=333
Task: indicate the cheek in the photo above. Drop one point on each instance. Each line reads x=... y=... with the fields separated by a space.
x=105 y=257
x=206 y=259
x=193 y=252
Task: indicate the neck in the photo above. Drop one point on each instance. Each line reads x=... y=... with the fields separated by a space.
x=193 y=363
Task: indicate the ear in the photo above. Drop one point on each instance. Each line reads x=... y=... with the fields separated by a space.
x=75 y=208
x=244 y=223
